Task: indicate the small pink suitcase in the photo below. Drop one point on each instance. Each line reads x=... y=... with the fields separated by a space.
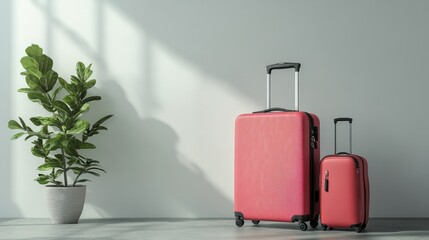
x=344 y=184
x=277 y=163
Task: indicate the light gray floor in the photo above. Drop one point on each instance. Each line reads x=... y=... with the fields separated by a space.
x=201 y=229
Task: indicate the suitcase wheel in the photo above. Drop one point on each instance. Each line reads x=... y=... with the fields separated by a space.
x=324 y=227
x=358 y=229
x=239 y=222
x=314 y=223
x=303 y=226
x=256 y=222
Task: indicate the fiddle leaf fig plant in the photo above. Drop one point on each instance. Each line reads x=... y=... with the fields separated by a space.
x=60 y=136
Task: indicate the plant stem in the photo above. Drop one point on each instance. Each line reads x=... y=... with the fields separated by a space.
x=78 y=176
x=65 y=167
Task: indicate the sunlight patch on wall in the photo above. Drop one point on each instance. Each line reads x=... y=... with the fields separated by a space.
x=26 y=19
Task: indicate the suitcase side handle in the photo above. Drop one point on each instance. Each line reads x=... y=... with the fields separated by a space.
x=342 y=119
x=284 y=65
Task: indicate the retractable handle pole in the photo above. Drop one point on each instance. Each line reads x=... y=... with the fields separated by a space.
x=285 y=65
x=343 y=119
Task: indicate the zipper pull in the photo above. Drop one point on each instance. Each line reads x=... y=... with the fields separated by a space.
x=326 y=181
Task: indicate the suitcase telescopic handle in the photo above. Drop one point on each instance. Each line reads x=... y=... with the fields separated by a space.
x=284 y=65
x=342 y=119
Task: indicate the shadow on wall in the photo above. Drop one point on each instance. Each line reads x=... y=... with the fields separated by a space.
x=146 y=175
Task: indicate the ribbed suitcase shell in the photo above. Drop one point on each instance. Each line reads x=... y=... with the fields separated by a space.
x=345 y=202
x=273 y=168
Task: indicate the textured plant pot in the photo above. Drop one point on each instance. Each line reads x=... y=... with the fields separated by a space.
x=65 y=203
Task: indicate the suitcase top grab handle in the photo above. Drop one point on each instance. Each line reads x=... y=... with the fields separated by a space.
x=284 y=65
x=342 y=119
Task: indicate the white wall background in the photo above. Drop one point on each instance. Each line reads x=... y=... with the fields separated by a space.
x=177 y=73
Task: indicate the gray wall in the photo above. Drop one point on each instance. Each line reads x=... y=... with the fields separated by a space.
x=176 y=73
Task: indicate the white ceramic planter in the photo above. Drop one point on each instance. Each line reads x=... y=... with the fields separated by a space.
x=65 y=203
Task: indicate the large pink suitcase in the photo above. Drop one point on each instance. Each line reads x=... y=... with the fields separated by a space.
x=277 y=163
x=344 y=199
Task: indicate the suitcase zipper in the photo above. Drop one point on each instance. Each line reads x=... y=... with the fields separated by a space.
x=364 y=192
x=357 y=165
x=313 y=145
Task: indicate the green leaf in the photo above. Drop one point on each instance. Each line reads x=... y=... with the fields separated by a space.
x=31 y=65
x=49 y=166
x=75 y=79
x=90 y=84
x=23 y=123
x=71 y=151
x=34 y=50
x=45 y=130
x=84 y=108
x=70 y=100
x=61 y=106
x=45 y=63
x=53 y=143
x=29 y=90
x=38 y=97
x=49 y=80
x=99 y=122
x=102 y=128
x=83 y=180
x=62 y=82
x=36 y=121
x=70 y=88
x=96 y=168
x=14 y=125
x=92 y=173
x=58 y=173
x=36 y=151
x=77 y=170
x=40 y=135
x=58 y=90
x=29 y=136
x=92 y=98
x=18 y=135
x=33 y=82
x=72 y=160
x=83 y=94
x=49 y=121
x=88 y=72
x=43 y=179
x=86 y=145
x=79 y=127
x=59 y=157
x=80 y=70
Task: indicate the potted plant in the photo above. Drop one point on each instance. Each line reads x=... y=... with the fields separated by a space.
x=59 y=137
